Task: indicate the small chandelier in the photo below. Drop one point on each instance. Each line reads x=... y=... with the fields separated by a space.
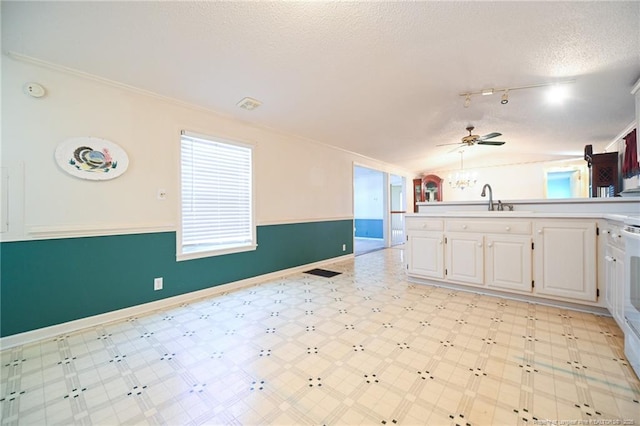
x=462 y=179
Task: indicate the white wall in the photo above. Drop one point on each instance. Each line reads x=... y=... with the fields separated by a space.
x=369 y=194
x=296 y=180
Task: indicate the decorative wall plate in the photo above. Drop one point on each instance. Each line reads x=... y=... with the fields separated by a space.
x=91 y=158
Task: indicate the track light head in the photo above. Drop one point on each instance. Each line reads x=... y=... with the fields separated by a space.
x=505 y=97
x=559 y=92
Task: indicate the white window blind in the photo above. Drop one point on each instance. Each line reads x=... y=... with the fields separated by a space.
x=216 y=191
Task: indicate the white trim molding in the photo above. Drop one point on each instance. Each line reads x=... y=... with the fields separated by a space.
x=146 y=308
x=620 y=136
x=309 y=220
x=95 y=230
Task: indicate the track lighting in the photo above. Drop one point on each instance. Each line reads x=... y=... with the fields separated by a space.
x=505 y=96
x=556 y=94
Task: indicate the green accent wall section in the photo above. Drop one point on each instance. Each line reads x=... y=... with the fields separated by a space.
x=49 y=282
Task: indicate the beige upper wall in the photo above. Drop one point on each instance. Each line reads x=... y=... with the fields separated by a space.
x=295 y=179
x=512 y=182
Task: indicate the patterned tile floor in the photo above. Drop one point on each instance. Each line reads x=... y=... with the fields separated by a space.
x=364 y=347
x=366 y=245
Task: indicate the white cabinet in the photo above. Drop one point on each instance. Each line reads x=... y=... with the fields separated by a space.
x=551 y=259
x=465 y=258
x=494 y=253
x=614 y=272
x=565 y=259
x=425 y=247
x=425 y=253
x=508 y=262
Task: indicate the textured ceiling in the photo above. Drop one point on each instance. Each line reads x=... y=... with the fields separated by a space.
x=379 y=79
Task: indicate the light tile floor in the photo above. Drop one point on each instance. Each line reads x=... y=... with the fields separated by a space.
x=366 y=245
x=364 y=347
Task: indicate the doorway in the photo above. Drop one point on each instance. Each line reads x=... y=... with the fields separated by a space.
x=566 y=182
x=379 y=208
x=398 y=207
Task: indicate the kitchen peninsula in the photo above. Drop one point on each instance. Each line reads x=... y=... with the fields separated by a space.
x=544 y=251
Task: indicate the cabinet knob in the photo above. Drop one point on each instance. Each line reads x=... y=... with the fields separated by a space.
x=464 y=226
x=507 y=228
x=439 y=241
x=539 y=231
x=490 y=245
x=479 y=244
x=424 y=225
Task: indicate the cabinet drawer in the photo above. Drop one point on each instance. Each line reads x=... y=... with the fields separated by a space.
x=613 y=234
x=424 y=224
x=490 y=227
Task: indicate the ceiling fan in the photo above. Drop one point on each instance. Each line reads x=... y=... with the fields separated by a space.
x=477 y=139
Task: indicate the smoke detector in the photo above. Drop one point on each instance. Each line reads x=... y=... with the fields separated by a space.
x=249 y=104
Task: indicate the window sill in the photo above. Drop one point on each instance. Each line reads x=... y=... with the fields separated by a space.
x=215 y=252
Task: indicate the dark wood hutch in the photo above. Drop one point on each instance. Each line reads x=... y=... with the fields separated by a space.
x=427 y=188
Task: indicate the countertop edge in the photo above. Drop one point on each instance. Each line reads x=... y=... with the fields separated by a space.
x=609 y=200
x=518 y=215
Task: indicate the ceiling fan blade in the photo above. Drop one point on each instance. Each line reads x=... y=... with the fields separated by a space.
x=489 y=136
x=496 y=143
x=454 y=143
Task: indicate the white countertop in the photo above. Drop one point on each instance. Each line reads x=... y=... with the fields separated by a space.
x=606 y=200
x=569 y=207
x=520 y=214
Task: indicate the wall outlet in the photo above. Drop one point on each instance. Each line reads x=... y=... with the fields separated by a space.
x=344 y=247
x=157 y=283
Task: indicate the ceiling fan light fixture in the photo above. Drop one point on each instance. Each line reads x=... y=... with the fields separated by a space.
x=505 y=97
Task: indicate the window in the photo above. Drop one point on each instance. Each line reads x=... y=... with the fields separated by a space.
x=216 y=197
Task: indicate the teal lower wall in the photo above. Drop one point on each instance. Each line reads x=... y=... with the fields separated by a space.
x=369 y=228
x=48 y=282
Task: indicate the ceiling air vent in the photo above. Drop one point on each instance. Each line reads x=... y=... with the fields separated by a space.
x=249 y=104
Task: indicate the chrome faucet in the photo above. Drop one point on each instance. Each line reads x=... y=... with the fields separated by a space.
x=484 y=194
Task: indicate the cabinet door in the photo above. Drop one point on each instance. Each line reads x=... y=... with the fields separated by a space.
x=465 y=259
x=508 y=262
x=610 y=279
x=565 y=259
x=425 y=254
x=618 y=286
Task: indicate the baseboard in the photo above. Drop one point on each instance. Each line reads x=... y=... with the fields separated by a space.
x=32 y=336
x=591 y=309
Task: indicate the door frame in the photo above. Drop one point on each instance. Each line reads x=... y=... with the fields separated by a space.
x=386 y=194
